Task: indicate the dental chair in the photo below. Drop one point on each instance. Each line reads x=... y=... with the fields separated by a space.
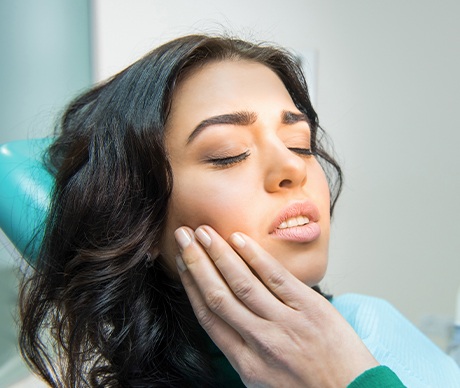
x=25 y=187
x=24 y=195
x=394 y=341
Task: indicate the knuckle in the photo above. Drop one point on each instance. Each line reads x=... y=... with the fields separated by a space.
x=215 y=299
x=205 y=317
x=242 y=289
x=251 y=258
x=218 y=256
x=275 y=280
x=189 y=257
x=271 y=352
x=268 y=345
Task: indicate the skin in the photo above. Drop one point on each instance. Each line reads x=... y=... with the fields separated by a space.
x=248 y=195
x=274 y=330
x=249 y=288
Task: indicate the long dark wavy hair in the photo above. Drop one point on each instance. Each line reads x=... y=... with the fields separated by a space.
x=96 y=310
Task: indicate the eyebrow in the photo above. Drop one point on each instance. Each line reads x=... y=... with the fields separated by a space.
x=244 y=118
x=290 y=118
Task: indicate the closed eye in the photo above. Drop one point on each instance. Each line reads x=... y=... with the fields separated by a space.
x=302 y=151
x=228 y=160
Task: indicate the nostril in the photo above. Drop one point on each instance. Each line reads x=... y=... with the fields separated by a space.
x=286 y=183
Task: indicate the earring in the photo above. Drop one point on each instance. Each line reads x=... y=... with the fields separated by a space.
x=148 y=260
x=150 y=257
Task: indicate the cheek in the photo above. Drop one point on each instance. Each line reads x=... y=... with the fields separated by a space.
x=196 y=202
x=216 y=202
x=318 y=186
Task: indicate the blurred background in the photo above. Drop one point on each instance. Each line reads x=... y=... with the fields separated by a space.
x=386 y=85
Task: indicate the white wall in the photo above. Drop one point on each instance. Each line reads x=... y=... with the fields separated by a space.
x=388 y=91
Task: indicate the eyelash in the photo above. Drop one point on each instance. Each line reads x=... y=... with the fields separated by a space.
x=231 y=160
x=303 y=151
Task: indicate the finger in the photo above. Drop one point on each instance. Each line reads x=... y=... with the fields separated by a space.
x=216 y=294
x=290 y=290
x=226 y=338
x=239 y=277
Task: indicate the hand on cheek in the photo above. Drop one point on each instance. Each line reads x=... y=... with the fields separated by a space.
x=275 y=330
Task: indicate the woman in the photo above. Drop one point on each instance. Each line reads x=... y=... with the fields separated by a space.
x=200 y=170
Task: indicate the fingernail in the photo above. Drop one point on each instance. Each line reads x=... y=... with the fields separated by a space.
x=183 y=238
x=204 y=237
x=237 y=240
x=180 y=263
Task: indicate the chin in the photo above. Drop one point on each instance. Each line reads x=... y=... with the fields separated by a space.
x=310 y=274
x=310 y=282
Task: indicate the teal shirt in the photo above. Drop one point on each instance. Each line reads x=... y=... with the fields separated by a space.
x=378 y=377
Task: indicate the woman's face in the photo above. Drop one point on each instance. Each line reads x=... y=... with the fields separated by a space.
x=239 y=151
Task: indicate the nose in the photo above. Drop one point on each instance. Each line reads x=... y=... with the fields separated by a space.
x=284 y=168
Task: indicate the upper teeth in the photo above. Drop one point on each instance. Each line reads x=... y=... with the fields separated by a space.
x=294 y=221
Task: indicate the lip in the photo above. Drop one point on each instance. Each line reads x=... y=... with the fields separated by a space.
x=305 y=233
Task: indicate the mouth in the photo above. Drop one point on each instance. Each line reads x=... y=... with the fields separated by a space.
x=294 y=221
x=297 y=222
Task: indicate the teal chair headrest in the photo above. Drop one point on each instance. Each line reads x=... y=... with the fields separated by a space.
x=25 y=191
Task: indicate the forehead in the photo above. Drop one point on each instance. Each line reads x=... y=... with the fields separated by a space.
x=226 y=86
x=220 y=77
